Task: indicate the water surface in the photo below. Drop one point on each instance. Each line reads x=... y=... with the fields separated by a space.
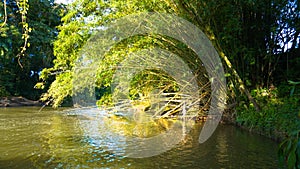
x=60 y=139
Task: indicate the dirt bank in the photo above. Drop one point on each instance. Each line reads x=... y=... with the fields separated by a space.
x=17 y=102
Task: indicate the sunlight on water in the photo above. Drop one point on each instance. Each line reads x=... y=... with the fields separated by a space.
x=81 y=139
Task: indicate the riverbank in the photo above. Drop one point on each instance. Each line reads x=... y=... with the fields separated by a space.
x=17 y=102
x=279 y=119
x=276 y=120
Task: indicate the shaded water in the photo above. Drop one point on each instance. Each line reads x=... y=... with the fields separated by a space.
x=60 y=139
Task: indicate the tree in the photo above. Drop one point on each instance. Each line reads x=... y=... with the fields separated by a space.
x=19 y=68
x=243 y=32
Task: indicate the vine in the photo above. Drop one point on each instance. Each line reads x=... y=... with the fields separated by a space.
x=5 y=14
x=23 y=9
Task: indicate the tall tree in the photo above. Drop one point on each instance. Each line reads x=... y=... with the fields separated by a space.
x=19 y=68
x=243 y=32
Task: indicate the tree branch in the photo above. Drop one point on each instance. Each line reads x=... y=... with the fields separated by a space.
x=5 y=14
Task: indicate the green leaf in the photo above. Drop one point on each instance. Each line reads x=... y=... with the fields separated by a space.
x=293 y=83
x=292 y=91
x=291 y=160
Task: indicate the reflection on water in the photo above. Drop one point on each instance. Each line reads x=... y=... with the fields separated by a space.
x=135 y=139
x=62 y=139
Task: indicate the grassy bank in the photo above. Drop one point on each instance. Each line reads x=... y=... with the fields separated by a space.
x=278 y=119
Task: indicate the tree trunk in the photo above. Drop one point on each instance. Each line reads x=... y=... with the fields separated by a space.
x=241 y=84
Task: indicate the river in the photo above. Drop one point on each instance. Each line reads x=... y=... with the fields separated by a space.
x=60 y=139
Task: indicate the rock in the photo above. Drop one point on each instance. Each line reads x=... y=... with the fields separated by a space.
x=17 y=102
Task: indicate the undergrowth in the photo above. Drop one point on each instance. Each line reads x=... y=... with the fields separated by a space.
x=278 y=119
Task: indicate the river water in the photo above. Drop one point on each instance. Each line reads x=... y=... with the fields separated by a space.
x=74 y=139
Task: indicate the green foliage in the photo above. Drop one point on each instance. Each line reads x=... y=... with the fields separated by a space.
x=105 y=100
x=289 y=150
x=77 y=28
x=246 y=31
x=60 y=89
x=293 y=84
x=3 y=92
x=278 y=117
x=23 y=6
x=287 y=68
x=148 y=81
x=72 y=35
x=288 y=89
x=41 y=18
